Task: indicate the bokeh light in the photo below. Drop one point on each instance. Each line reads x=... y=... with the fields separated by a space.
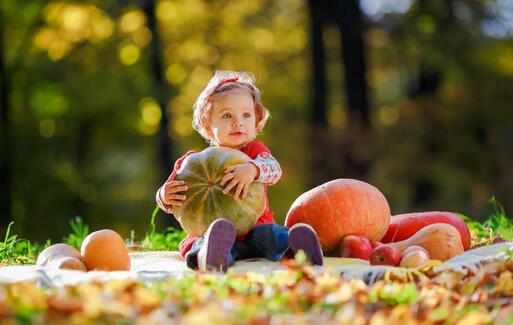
x=129 y=53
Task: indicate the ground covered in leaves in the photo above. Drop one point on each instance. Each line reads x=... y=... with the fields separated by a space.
x=477 y=294
x=300 y=295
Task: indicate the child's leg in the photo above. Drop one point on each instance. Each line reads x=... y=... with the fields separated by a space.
x=218 y=241
x=303 y=237
x=191 y=257
x=265 y=240
x=215 y=245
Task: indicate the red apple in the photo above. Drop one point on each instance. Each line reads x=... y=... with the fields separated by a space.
x=414 y=258
x=355 y=246
x=414 y=248
x=385 y=255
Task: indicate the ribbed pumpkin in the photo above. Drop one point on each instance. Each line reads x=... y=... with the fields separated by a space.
x=205 y=202
x=341 y=207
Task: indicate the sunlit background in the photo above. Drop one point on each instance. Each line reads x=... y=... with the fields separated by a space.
x=93 y=89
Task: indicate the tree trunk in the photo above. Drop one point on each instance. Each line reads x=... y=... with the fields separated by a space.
x=5 y=139
x=165 y=144
x=339 y=154
x=319 y=107
x=351 y=26
x=423 y=90
x=356 y=143
x=319 y=139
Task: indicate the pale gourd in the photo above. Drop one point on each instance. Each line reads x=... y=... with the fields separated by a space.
x=61 y=256
x=67 y=263
x=441 y=240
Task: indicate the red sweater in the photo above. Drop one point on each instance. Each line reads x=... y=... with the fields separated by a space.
x=253 y=149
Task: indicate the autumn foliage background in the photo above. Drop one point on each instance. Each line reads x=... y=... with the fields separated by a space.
x=97 y=96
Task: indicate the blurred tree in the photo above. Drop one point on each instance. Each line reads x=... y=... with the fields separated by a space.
x=24 y=21
x=438 y=100
x=319 y=103
x=343 y=146
x=319 y=137
x=356 y=162
x=5 y=137
x=161 y=90
x=352 y=27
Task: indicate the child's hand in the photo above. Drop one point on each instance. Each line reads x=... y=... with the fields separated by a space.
x=170 y=189
x=242 y=176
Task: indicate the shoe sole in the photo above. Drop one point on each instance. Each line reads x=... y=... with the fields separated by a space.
x=220 y=241
x=304 y=238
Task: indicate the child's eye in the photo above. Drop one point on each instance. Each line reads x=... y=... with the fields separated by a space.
x=227 y=115
x=247 y=115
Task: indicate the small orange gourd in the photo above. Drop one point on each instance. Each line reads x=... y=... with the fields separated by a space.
x=105 y=250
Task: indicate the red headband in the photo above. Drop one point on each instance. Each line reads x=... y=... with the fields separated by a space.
x=225 y=81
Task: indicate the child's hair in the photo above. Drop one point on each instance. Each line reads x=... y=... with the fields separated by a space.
x=222 y=83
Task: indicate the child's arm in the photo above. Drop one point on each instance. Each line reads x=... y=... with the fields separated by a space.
x=269 y=168
x=264 y=169
x=169 y=195
x=241 y=175
x=158 y=198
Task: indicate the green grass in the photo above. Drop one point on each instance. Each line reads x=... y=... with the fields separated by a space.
x=169 y=240
x=14 y=250
x=498 y=226
x=79 y=231
x=499 y=221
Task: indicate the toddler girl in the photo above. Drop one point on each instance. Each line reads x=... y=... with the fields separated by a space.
x=229 y=113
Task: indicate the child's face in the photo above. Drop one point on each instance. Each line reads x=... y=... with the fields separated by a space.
x=232 y=120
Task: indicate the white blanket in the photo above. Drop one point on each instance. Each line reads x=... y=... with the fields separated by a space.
x=148 y=266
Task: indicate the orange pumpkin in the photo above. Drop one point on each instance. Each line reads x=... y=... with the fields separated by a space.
x=57 y=251
x=105 y=250
x=342 y=207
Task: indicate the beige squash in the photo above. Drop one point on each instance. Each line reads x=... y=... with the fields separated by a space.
x=61 y=256
x=67 y=263
x=441 y=240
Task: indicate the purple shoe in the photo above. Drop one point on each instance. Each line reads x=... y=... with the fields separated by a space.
x=302 y=236
x=215 y=254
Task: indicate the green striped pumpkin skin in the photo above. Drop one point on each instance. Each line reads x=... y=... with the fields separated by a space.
x=205 y=202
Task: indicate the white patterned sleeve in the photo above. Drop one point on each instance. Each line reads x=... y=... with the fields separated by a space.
x=270 y=170
x=166 y=208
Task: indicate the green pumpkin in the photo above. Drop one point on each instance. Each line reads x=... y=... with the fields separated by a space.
x=203 y=172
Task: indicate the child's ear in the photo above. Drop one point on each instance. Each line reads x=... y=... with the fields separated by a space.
x=259 y=126
x=209 y=132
